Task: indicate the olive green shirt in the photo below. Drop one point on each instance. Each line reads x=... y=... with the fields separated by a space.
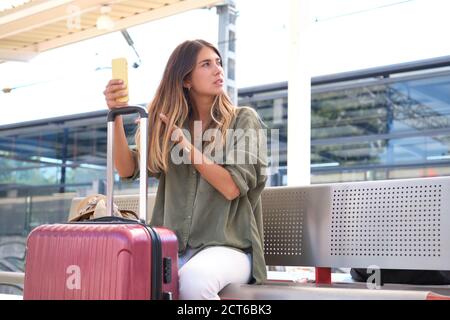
x=201 y=216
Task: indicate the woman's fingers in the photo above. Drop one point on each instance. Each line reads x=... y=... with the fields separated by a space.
x=115 y=81
x=176 y=133
x=115 y=89
x=164 y=118
x=113 y=86
x=118 y=94
x=112 y=103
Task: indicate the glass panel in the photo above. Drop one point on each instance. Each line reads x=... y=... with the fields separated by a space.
x=405 y=151
x=349 y=112
x=273 y=112
x=419 y=105
x=412 y=106
x=381 y=131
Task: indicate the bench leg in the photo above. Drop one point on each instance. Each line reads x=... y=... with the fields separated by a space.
x=323 y=275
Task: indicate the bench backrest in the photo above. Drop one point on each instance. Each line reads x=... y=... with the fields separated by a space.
x=392 y=224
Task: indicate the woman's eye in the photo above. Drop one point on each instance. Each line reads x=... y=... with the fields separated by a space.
x=206 y=64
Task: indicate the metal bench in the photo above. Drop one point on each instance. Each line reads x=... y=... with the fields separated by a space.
x=391 y=224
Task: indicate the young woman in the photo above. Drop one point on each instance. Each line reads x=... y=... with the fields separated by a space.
x=213 y=206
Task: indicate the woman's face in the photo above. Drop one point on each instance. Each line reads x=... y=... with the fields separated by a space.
x=207 y=75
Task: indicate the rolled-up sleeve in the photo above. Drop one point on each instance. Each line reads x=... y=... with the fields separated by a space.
x=136 y=172
x=241 y=178
x=246 y=152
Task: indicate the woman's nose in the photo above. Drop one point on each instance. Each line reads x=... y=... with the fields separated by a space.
x=218 y=69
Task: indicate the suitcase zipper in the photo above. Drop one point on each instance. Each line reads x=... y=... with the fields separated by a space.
x=156 y=289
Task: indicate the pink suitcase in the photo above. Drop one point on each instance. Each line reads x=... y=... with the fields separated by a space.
x=107 y=258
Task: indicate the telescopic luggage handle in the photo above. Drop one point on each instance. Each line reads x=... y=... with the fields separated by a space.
x=143 y=184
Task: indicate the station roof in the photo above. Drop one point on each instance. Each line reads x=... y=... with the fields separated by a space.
x=40 y=25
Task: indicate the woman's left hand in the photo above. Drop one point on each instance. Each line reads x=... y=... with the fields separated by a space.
x=176 y=132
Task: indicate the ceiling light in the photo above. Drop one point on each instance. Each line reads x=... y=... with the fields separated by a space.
x=104 y=21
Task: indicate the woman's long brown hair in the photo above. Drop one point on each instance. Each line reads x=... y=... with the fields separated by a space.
x=173 y=100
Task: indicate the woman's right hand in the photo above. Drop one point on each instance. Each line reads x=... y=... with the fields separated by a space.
x=114 y=90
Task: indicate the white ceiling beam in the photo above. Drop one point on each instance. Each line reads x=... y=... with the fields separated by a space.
x=43 y=14
x=31 y=9
x=134 y=20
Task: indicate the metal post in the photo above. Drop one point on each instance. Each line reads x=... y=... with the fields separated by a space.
x=299 y=95
x=110 y=169
x=143 y=181
x=64 y=146
x=227 y=46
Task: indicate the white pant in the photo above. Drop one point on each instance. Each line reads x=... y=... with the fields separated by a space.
x=204 y=274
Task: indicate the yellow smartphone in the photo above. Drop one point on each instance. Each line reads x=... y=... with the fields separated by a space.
x=120 y=71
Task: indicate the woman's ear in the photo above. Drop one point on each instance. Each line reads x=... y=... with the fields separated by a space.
x=187 y=84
